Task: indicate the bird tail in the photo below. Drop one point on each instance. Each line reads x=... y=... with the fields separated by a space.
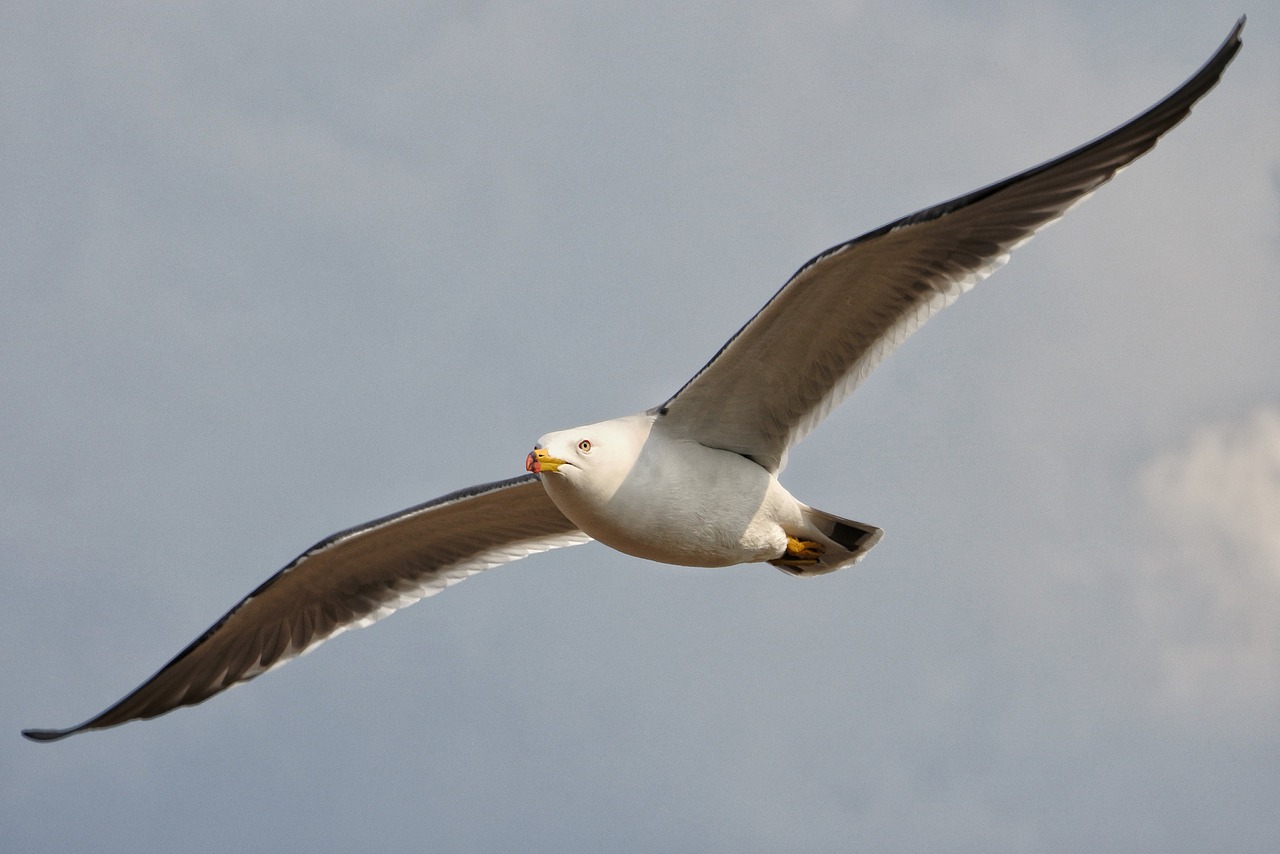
x=845 y=541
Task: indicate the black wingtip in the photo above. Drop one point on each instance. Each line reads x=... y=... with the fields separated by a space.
x=48 y=734
x=1234 y=36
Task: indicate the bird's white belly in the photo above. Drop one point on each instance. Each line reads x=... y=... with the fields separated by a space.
x=686 y=504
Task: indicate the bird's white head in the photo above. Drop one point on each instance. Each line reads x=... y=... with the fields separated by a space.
x=591 y=461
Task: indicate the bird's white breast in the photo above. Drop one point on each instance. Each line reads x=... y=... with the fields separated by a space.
x=669 y=500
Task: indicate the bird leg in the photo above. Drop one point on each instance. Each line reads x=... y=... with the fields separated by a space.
x=799 y=554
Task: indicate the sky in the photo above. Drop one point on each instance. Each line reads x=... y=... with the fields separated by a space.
x=270 y=270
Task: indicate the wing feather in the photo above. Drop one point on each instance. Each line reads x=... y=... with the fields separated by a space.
x=848 y=307
x=350 y=579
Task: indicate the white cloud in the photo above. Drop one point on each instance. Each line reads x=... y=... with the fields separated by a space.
x=1211 y=589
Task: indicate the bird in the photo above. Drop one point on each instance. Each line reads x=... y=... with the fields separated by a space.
x=694 y=480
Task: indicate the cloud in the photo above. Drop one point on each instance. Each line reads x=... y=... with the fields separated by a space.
x=1210 y=589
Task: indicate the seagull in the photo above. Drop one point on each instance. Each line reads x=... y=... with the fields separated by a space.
x=693 y=481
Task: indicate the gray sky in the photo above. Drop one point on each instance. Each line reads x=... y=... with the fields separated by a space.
x=271 y=270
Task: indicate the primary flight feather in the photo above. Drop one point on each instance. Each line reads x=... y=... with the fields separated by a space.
x=694 y=480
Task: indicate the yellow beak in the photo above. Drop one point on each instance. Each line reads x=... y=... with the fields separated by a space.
x=539 y=461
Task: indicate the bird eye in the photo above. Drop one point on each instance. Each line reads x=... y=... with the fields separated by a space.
x=585 y=446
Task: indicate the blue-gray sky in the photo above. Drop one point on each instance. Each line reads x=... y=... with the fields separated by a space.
x=270 y=270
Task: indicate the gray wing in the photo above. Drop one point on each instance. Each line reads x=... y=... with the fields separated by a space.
x=350 y=579
x=847 y=308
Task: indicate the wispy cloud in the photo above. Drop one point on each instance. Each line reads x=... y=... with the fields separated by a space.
x=1212 y=584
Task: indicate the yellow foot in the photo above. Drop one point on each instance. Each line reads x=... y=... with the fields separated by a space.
x=799 y=554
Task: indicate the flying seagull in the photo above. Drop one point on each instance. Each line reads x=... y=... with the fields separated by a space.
x=692 y=481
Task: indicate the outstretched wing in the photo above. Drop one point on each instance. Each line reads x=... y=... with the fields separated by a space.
x=846 y=309
x=350 y=579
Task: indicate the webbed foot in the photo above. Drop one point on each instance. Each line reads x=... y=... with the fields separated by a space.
x=800 y=555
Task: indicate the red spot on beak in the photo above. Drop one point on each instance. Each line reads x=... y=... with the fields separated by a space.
x=531 y=464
